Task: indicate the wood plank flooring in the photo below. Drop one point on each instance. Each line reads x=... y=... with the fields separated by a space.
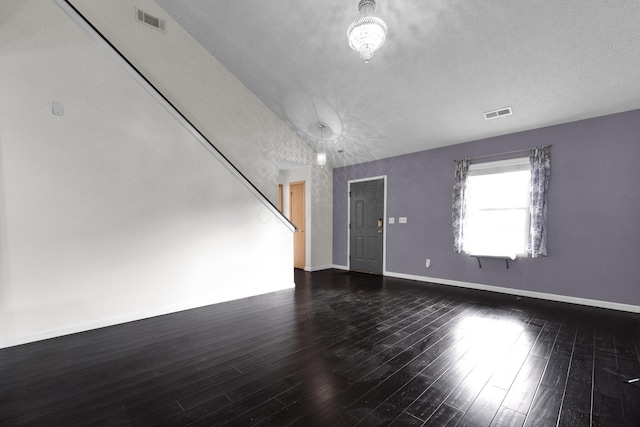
x=342 y=349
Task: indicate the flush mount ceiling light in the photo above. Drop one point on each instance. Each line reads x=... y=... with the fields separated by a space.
x=367 y=33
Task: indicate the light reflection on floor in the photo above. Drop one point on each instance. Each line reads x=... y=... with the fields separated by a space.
x=487 y=342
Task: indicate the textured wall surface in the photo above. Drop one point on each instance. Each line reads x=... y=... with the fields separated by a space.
x=594 y=209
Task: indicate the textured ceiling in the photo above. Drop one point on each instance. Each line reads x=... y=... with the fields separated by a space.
x=444 y=63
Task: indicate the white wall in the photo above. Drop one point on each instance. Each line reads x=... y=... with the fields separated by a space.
x=322 y=218
x=218 y=104
x=112 y=212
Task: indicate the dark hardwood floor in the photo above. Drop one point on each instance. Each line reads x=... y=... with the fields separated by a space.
x=342 y=349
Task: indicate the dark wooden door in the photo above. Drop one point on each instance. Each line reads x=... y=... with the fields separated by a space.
x=366 y=225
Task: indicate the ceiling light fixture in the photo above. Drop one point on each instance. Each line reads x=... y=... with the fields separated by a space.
x=321 y=157
x=367 y=33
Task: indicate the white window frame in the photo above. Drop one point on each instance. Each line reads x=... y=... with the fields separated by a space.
x=498 y=167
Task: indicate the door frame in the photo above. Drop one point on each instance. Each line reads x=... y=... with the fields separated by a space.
x=384 y=220
x=306 y=218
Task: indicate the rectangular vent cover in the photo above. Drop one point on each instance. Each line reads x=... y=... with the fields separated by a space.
x=498 y=113
x=150 y=20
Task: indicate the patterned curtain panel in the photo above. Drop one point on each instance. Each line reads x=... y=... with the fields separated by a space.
x=540 y=160
x=459 y=202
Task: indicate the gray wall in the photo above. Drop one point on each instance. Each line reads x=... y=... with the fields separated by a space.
x=594 y=209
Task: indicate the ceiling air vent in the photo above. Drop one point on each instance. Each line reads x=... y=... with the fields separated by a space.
x=150 y=20
x=498 y=113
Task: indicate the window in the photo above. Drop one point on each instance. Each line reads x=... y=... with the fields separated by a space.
x=497 y=208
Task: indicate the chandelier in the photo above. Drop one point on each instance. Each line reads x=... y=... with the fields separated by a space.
x=367 y=33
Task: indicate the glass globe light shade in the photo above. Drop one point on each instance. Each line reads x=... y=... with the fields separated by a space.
x=367 y=33
x=321 y=158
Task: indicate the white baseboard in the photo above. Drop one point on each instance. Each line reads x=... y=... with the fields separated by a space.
x=520 y=292
x=327 y=267
x=117 y=320
x=319 y=268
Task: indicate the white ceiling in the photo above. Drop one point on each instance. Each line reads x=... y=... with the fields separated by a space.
x=444 y=63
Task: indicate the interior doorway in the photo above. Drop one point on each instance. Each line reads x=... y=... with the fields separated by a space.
x=366 y=225
x=298 y=217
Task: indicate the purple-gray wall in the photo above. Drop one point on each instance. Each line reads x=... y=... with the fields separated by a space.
x=594 y=212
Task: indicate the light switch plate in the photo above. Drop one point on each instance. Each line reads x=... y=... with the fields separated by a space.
x=57 y=109
x=402 y=220
x=392 y=220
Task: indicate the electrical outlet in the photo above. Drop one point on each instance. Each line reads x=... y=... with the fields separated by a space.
x=427 y=263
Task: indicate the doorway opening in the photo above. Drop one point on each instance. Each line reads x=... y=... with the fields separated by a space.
x=297 y=215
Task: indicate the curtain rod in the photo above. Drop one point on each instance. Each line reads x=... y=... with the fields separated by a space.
x=503 y=153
